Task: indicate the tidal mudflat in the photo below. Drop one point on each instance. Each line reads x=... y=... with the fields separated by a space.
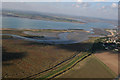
x=52 y=36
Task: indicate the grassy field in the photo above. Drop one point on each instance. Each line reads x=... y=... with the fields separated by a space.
x=63 y=68
x=89 y=68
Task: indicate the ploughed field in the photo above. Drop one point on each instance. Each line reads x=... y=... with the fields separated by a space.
x=110 y=59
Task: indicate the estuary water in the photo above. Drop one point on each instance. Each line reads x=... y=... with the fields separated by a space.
x=63 y=38
x=24 y=23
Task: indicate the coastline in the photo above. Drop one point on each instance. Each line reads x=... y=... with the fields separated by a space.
x=34 y=18
x=50 y=36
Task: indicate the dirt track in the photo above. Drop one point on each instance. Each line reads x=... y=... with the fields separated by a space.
x=110 y=59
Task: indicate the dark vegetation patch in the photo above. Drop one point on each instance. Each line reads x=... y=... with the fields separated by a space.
x=7 y=56
x=34 y=36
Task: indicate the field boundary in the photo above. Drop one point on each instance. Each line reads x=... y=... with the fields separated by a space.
x=68 y=68
x=105 y=66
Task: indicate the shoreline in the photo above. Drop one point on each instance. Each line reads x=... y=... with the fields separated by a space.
x=50 y=36
x=49 y=30
x=79 y=22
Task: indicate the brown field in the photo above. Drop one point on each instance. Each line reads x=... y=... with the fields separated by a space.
x=27 y=57
x=24 y=58
x=88 y=68
x=110 y=59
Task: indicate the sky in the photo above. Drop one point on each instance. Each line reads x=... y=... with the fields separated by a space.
x=97 y=8
x=60 y=0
